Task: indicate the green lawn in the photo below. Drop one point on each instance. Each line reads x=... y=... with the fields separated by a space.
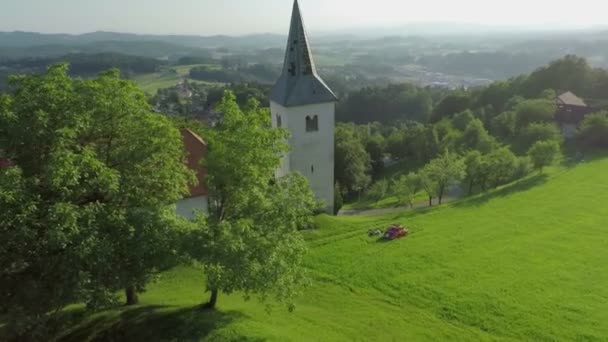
x=525 y=262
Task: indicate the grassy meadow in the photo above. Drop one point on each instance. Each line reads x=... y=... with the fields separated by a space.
x=524 y=262
x=165 y=78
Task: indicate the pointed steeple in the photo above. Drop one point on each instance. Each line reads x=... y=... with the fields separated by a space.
x=299 y=83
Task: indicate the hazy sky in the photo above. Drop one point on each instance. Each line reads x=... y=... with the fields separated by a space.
x=206 y=17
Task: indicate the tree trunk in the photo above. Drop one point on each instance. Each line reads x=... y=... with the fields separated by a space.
x=430 y=201
x=470 y=188
x=440 y=198
x=131 y=293
x=212 y=300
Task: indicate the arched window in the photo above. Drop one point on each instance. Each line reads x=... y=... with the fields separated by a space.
x=312 y=123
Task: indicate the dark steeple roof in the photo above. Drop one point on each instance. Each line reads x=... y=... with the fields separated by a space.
x=299 y=83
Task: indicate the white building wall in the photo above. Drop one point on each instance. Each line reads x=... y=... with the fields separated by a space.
x=188 y=206
x=312 y=153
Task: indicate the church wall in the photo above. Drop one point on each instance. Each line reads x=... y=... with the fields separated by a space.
x=312 y=153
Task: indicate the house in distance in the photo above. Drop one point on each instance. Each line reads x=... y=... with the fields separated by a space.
x=571 y=111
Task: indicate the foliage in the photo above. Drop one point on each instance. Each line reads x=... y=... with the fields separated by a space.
x=379 y=190
x=594 y=130
x=250 y=242
x=338 y=198
x=352 y=163
x=504 y=125
x=462 y=120
x=453 y=103
x=476 y=170
x=386 y=105
x=375 y=147
x=406 y=187
x=87 y=207
x=446 y=170
x=535 y=132
x=544 y=153
x=501 y=164
x=535 y=111
x=475 y=137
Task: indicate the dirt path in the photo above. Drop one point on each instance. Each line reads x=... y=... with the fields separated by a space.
x=383 y=211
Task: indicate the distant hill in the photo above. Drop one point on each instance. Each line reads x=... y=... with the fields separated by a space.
x=29 y=39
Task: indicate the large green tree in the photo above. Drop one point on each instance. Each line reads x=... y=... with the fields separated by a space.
x=250 y=241
x=86 y=207
x=352 y=162
x=594 y=130
x=444 y=171
x=544 y=153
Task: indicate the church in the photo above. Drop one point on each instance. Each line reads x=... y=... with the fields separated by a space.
x=301 y=103
x=304 y=105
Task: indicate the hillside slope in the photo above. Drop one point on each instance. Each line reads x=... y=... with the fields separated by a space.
x=527 y=261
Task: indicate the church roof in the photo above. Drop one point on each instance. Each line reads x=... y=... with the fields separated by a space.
x=299 y=83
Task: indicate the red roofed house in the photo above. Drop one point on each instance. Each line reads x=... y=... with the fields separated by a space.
x=196 y=149
x=571 y=111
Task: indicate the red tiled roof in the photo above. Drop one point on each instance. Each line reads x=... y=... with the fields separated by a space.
x=196 y=149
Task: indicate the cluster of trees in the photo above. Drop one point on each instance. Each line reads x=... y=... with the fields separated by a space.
x=87 y=204
x=489 y=156
x=593 y=132
x=246 y=73
x=388 y=104
x=206 y=97
x=88 y=64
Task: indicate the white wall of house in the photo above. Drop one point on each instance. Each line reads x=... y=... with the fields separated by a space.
x=312 y=153
x=188 y=206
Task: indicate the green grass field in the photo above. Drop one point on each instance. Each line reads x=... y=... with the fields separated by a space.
x=150 y=83
x=525 y=262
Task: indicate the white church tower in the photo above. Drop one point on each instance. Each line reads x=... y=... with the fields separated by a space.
x=302 y=103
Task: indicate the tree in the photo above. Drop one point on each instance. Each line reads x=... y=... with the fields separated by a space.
x=594 y=130
x=501 y=166
x=406 y=187
x=378 y=190
x=532 y=111
x=375 y=147
x=504 y=125
x=87 y=206
x=338 y=198
x=475 y=169
x=544 y=153
x=475 y=137
x=250 y=241
x=352 y=163
x=462 y=120
x=535 y=132
x=454 y=103
x=446 y=170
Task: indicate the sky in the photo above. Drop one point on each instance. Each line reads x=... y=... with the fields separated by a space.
x=236 y=17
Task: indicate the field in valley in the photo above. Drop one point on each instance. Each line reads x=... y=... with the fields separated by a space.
x=165 y=78
x=524 y=262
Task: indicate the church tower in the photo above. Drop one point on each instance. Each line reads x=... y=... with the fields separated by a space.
x=302 y=103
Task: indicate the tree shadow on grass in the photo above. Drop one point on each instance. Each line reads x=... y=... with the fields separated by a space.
x=156 y=323
x=519 y=186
